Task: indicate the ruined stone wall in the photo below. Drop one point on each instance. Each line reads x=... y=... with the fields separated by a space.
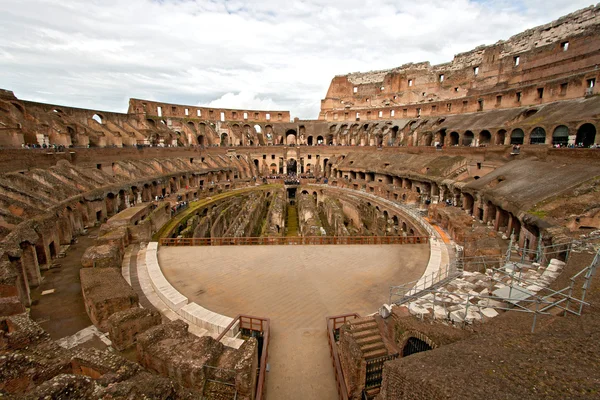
x=150 y=108
x=170 y=348
x=249 y=220
x=274 y=224
x=558 y=57
x=105 y=292
x=334 y=216
x=308 y=216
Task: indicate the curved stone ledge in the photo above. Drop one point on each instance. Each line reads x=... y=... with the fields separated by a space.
x=178 y=303
x=163 y=288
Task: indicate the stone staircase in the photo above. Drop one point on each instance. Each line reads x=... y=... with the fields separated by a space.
x=291 y=222
x=366 y=333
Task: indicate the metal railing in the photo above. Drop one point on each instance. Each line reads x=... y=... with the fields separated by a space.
x=293 y=240
x=403 y=293
x=519 y=298
x=333 y=325
x=261 y=326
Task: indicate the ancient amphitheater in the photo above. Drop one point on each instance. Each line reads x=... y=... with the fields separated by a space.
x=434 y=234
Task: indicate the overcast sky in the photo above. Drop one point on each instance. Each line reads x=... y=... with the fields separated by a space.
x=258 y=54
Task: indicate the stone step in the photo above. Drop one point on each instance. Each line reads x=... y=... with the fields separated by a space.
x=375 y=354
x=373 y=347
x=365 y=333
x=372 y=393
x=369 y=339
x=364 y=327
x=361 y=321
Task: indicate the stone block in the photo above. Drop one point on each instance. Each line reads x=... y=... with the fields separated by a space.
x=105 y=292
x=124 y=326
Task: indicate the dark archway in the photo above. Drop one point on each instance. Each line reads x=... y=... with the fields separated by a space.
x=290 y=136
x=201 y=140
x=517 y=136
x=560 y=136
x=501 y=136
x=468 y=138
x=309 y=141
x=586 y=135
x=454 y=136
x=485 y=138
x=224 y=140
x=413 y=346
x=538 y=136
x=292 y=167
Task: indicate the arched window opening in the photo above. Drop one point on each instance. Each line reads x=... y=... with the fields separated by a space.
x=586 y=135
x=538 y=136
x=560 y=137
x=517 y=136
x=413 y=346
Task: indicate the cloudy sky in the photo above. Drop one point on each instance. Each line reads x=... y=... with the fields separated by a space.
x=261 y=54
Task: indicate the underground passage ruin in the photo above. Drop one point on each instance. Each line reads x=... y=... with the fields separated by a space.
x=439 y=223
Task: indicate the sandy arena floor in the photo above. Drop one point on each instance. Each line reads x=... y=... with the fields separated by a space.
x=296 y=287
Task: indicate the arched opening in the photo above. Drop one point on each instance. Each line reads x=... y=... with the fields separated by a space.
x=501 y=137
x=454 y=138
x=273 y=168
x=320 y=140
x=201 y=140
x=309 y=141
x=290 y=136
x=192 y=126
x=224 y=139
x=517 y=136
x=394 y=135
x=257 y=128
x=440 y=137
x=427 y=139
x=586 y=134
x=292 y=167
x=151 y=123
x=97 y=118
x=560 y=136
x=468 y=138
x=485 y=138
x=414 y=345
x=538 y=136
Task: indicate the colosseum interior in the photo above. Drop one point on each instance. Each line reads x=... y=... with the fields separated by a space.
x=434 y=234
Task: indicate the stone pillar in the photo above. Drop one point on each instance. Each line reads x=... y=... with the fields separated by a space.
x=30 y=264
x=497 y=222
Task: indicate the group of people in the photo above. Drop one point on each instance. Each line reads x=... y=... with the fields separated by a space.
x=575 y=146
x=180 y=205
x=55 y=147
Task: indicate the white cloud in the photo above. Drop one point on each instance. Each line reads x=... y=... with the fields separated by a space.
x=254 y=54
x=246 y=100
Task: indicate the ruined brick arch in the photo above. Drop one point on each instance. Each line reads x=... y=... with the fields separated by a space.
x=537 y=135
x=485 y=137
x=151 y=123
x=403 y=341
x=468 y=138
x=18 y=107
x=426 y=139
x=99 y=118
x=454 y=138
x=500 y=137
x=586 y=134
x=517 y=136
x=440 y=136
